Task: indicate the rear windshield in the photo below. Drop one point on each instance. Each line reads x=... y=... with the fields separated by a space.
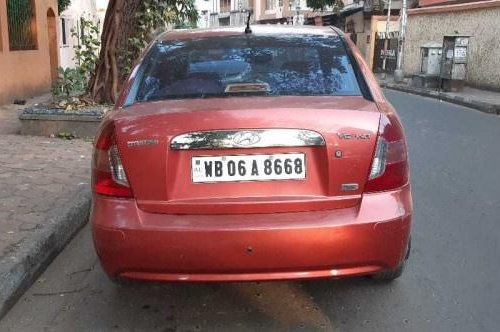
x=298 y=65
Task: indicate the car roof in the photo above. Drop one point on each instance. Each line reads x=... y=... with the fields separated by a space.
x=267 y=29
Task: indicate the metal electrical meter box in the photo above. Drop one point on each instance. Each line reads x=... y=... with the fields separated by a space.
x=454 y=62
x=431 y=58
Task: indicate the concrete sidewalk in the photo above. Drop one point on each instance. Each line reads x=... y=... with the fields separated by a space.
x=9 y=114
x=481 y=100
x=44 y=201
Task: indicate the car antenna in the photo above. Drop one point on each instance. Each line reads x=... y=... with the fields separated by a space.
x=247 y=29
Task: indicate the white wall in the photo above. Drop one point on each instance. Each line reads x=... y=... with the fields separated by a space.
x=71 y=17
x=101 y=7
x=204 y=9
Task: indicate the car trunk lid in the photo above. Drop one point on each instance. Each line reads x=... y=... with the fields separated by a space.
x=340 y=133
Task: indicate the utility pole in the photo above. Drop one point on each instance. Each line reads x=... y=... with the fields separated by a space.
x=386 y=41
x=398 y=73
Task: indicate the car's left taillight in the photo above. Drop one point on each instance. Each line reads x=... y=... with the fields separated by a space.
x=108 y=174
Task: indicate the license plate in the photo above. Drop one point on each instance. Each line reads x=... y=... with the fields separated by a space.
x=256 y=167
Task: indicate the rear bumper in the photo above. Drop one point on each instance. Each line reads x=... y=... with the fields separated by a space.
x=346 y=242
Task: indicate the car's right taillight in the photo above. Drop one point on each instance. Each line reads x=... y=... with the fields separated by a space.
x=389 y=169
x=108 y=174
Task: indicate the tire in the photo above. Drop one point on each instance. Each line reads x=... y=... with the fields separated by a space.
x=395 y=273
x=390 y=274
x=121 y=282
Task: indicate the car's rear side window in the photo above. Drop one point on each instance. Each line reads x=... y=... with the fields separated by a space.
x=298 y=65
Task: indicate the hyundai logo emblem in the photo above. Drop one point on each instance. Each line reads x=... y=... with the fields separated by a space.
x=246 y=138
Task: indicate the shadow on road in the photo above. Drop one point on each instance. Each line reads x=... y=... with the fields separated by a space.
x=317 y=305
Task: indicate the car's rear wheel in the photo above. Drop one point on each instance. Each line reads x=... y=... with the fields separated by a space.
x=395 y=273
x=124 y=282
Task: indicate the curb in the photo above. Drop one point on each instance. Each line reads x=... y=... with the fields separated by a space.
x=458 y=100
x=19 y=272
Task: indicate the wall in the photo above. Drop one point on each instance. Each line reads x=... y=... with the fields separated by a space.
x=101 y=7
x=211 y=15
x=201 y=6
x=379 y=24
x=362 y=29
x=479 y=20
x=261 y=14
x=358 y=19
x=366 y=30
x=25 y=73
x=72 y=15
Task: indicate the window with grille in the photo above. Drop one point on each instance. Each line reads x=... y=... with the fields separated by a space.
x=21 y=22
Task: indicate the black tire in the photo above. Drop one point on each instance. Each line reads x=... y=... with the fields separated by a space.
x=123 y=282
x=393 y=274
x=390 y=274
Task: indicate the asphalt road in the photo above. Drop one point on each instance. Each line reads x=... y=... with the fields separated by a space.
x=451 y=283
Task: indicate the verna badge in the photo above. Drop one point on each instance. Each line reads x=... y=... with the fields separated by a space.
x=246 y=138
x=353 y=136
x=142 y=142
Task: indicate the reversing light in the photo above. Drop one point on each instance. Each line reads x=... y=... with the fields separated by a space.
x=117 y=170
x=379 y=159
x=108 y=173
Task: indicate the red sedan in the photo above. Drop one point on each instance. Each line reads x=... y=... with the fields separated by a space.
x=235 y=156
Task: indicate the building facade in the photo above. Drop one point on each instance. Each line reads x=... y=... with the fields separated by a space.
x=366 y=21
x=29 y=55
x=294 y=12
x=204 y=8
x=368 y=25
x=215 y=13
x=70 y=20
x=281 y=11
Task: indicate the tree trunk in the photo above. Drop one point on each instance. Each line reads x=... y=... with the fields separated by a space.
x=119 y=24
